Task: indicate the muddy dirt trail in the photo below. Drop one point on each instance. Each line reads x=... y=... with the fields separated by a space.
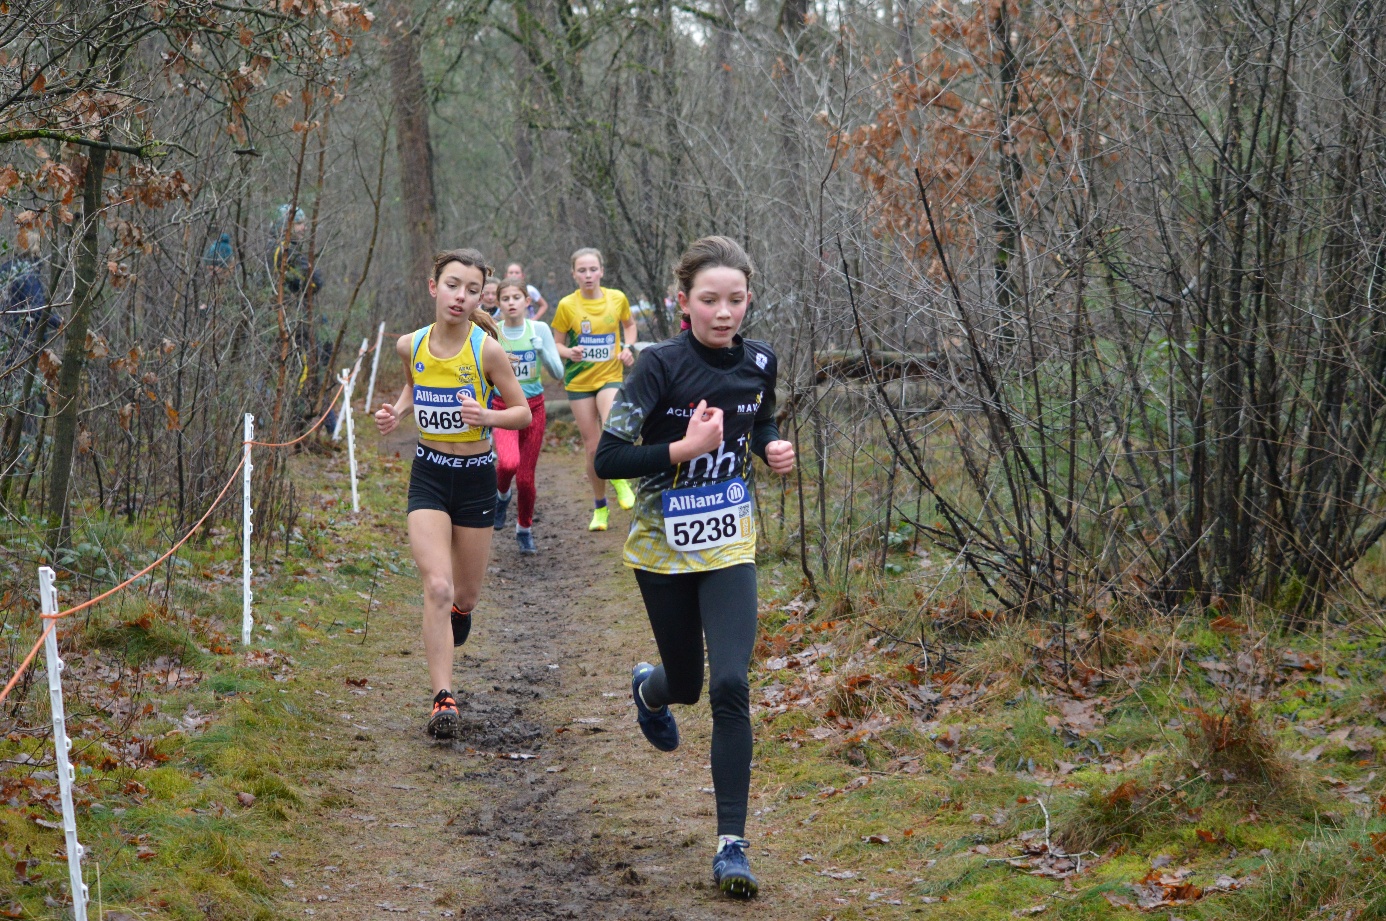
x=550 y=805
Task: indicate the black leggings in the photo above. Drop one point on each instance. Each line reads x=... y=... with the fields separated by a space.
x=721 y=606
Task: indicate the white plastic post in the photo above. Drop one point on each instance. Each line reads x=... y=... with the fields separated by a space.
x=347 y=390
x=48 y=601
x=351 y=443
x=247 y=526
x=375 y=364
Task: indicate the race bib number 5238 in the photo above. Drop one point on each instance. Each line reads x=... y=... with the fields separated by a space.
x=703 y=517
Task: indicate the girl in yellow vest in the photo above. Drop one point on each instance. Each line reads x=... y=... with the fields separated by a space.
x=588 y=328
x=452 y=367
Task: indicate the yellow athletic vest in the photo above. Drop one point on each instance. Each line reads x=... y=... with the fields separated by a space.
x=441 y=383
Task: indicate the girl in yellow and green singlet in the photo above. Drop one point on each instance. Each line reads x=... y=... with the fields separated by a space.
x=594 y=332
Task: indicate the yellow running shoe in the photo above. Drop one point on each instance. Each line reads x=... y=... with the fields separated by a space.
x=625 y=496
x=598 y=522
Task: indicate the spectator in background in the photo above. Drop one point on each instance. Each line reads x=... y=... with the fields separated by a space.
x=220 y=256
x=287 y=255
x=24 y=301
x=537 y=305
x=27 y=324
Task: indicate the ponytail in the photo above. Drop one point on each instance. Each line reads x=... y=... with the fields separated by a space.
x=481 y=317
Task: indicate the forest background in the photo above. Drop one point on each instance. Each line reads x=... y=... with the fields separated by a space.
x=1077 y=302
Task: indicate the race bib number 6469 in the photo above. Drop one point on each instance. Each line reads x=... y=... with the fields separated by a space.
x=703 y=517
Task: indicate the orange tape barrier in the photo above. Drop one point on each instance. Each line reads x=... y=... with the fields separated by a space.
x=53 y=618
x=27 y=659
x=284 y=444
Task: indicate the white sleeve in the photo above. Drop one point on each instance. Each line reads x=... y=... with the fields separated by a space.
x=534 y=294
x=552 y=363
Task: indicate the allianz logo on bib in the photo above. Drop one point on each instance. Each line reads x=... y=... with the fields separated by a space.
x=734 y=494
x=439 y=397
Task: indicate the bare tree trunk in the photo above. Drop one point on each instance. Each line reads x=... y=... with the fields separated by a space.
x=413 y=141
x=84 y=294
x=1008 y=186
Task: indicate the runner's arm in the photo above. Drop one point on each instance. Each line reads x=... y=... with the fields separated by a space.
x=618 y=456
x=389 y=414
x=765 y=429
x=549 y=351
x=618 y=459
x=630 y=332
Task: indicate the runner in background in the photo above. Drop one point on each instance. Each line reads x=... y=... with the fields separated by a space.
x=529 y=343
x=700 y=404
x=452 y=369
x=538 y=307
x=488 y=299
x=588 y=326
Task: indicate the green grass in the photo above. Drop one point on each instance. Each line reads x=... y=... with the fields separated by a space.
x=169 y=837
x=1140 y=785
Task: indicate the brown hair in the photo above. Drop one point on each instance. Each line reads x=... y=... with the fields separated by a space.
x=712 y=253
x=471 y=259
x=587 y=251
x=506 y=284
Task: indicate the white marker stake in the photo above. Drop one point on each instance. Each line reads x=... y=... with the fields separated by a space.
x=347 y=390
x=48 y=601
x=375 y=364
x=246 y=528
x=351 y=454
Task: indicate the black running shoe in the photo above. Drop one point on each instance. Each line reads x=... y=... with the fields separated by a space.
x=658 y=725
x=502 y=505
x=445 y=721
x=461 y=626
x=731 y=870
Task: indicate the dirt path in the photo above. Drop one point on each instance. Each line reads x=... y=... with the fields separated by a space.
x=551 y=805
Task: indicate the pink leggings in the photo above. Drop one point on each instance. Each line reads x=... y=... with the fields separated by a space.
x=517 y=456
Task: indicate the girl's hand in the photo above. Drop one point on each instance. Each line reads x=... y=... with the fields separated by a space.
x=704 y=433
x=780 y=456
x=472 y=412
x=627 y=355
x=386 y=419
x=571 y=354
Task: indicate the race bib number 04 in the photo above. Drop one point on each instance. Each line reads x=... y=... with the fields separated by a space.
x=597 y=348
x=703 y=517
x=526 y=365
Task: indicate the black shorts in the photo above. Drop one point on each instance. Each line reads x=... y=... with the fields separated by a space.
x=464 y=487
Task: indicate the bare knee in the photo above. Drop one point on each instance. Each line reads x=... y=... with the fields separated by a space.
x=465 y=598
x=438 y=591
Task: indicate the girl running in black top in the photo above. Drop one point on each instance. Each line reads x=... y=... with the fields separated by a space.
x=700 y=404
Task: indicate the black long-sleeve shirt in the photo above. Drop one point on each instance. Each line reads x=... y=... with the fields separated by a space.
x=651 y=406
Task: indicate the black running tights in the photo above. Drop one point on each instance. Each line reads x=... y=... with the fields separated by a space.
x=720 y=606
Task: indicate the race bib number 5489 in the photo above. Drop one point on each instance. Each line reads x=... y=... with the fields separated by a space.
x=703 y=517
x=597 y=347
